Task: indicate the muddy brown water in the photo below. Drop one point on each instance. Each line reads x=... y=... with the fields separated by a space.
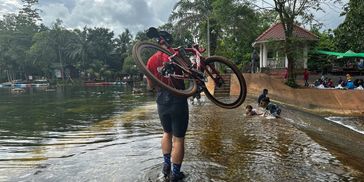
x=115 y=136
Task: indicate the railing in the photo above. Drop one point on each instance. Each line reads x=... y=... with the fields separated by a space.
x=276 y=63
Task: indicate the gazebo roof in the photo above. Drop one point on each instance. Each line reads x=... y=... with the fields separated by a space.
x=276 y=32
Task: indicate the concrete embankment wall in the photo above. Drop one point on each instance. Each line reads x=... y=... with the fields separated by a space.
x=343 y=102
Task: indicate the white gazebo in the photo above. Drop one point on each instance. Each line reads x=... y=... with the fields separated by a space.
x=271 y=54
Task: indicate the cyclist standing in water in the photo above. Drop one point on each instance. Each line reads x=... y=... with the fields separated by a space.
x=172 y=110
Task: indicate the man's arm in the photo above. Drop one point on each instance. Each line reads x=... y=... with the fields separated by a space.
x=150 y=85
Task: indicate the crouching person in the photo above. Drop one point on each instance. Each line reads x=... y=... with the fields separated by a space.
x=273 y=109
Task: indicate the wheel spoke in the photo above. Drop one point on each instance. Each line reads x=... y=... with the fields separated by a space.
x=226 y=85
x=170 y=74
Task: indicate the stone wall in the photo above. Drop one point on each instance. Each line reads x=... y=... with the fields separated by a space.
x=343 y=102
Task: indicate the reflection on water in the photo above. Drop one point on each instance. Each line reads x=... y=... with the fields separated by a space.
x=108 y=134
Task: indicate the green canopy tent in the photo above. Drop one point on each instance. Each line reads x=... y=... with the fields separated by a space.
x=347 y=57
x=330 y=53
x=340 y=55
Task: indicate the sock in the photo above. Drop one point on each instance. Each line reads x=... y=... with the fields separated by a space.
x=176 y=168
x=167 y=159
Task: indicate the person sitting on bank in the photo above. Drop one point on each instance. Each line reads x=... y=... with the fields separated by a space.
x=341 y=82
x=273 y=109
x=350 y=84
x=348 y=77
x=330 y=84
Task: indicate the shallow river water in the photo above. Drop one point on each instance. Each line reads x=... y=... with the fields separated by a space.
x=110 y=134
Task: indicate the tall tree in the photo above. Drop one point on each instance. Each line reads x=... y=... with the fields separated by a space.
x=29 y=12
x=123 y=42
x=78 y=48
x=240 y=26
x=42 y=53
x=195 y=16
x=16 y=32
x=60 y=39
x=290 y=12
x=101 y=40
x=349 y=35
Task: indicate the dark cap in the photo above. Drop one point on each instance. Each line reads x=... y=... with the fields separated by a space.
x=166 y=36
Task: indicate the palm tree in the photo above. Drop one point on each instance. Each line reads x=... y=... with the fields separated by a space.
x=78 y=48
x=58 y=36
x=123 y=42
x=192 y=14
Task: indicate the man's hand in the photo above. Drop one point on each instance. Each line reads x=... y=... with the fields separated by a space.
x=150 y=85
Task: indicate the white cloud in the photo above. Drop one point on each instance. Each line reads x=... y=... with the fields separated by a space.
x=9 y=6
x=117 y=15
x=136 y=15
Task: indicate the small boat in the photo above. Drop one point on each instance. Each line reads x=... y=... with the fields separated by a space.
x=40 y=83
x=99 y=83
x=20 y=84
x=50 y=90
x=17 y=90
x=6 y=84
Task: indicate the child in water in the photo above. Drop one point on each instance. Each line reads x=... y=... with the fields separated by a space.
x=273 y=109
x=249 y=111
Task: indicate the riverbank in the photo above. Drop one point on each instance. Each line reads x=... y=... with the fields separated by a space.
x=320 y=101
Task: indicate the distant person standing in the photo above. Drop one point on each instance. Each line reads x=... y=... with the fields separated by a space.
x=285 y=74
x=255 y=59
x=305 y=77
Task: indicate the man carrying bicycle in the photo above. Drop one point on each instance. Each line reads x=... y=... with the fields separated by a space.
x=172 y=110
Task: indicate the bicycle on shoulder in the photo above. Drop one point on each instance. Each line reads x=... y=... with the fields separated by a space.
x=216 y=76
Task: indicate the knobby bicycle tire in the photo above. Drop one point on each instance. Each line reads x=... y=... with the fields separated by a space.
x=141 y=61
x=239 y=98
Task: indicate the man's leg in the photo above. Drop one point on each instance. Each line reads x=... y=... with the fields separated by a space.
x=178 y=150
x=166 y=150
x=179 y=128
x=178 y=153
x=167 y=143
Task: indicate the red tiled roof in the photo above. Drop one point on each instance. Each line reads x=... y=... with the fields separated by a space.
x=276 y=32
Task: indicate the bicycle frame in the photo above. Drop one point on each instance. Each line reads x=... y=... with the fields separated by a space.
x=196 y=69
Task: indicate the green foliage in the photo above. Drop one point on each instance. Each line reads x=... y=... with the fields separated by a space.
x=129 y=66
x=197 y=17
x=27 y=47
x=240 y=26
x=289 y=11
x=349 y=35
x=30 y=48
x=319 y=62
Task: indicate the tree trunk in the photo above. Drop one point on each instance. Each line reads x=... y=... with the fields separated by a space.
x=60 y=62
x=290 y=52
x=208 y=37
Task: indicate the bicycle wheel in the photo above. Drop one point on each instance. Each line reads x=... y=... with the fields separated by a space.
x=179 y=72
x=228 y=84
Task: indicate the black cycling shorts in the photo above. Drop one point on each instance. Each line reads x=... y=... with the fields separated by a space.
x=174 y=118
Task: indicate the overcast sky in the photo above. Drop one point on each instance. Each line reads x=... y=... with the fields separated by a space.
x=136 y=15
